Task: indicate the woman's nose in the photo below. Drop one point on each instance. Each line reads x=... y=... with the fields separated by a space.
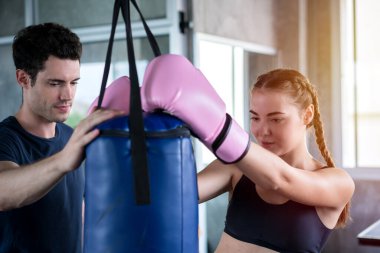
x=264 y=129
x=260 y=129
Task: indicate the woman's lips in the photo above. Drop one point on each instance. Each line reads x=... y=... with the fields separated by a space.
x=267 y=144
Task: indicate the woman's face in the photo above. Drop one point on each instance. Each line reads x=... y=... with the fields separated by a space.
x=276 y=122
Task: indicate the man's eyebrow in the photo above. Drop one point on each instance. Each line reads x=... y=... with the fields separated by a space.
x=62 y=81
x=55 y=80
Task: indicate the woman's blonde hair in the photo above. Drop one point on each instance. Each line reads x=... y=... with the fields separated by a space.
x=303 y=93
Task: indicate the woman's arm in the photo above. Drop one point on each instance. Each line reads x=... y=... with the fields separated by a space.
x=330 y=187
x=215 y=179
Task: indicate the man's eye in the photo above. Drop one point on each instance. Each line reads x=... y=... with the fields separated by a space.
x=276 y=120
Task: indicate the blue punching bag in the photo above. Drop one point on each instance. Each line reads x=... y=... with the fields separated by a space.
x=141 y=190
x=113 y=221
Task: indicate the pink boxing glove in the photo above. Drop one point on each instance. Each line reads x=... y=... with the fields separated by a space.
x=173 y=84
x=116 y=96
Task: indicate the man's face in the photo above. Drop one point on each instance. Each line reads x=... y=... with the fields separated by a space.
x=51 y=97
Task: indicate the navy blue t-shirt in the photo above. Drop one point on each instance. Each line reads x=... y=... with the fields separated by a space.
x=53 y=223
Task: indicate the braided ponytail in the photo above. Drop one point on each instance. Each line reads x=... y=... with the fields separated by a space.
x=318 y=127
x=319 y=134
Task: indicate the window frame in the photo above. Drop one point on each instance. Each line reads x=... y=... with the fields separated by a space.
x=344 y=78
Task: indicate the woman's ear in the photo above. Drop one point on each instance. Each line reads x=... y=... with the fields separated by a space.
x=308 y=115
x=23 y=79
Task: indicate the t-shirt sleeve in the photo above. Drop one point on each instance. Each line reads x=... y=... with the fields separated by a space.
x=8 y=150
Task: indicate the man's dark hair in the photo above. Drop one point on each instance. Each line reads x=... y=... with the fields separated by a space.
x=33 y=45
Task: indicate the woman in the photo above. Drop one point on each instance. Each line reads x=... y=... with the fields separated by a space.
x=284 y=200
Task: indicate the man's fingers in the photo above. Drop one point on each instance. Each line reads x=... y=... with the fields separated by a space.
x=90 y=136
x=96 y=118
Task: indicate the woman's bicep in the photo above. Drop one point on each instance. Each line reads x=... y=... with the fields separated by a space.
x=330 y=187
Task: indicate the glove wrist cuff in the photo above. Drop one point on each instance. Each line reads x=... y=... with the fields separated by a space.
x=232 y=143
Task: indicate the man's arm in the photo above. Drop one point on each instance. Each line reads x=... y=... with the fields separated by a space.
x=23 y=185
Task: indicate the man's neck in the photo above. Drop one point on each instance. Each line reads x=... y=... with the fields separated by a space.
x=36 y=125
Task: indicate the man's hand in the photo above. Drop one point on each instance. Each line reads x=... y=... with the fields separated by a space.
x=73 y=153
x=23 y=185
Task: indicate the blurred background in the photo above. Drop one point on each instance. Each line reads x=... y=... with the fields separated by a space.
x=333 y=42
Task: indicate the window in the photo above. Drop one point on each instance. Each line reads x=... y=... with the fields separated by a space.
x=76 y=14
x=360 y=84
x=11 y=14
x=230 y=66
x=91 y=20
x=92 y=67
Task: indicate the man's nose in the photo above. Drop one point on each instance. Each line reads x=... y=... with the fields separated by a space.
x=67 y=92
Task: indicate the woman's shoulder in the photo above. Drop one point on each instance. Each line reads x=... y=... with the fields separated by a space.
x=334 y=171
x=340 y=178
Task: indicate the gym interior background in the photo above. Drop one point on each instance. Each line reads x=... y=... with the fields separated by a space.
x=333 y=42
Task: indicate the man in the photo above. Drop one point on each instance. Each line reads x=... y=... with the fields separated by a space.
x=41 y=180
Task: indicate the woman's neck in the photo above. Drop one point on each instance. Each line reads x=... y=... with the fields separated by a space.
x=301 y=158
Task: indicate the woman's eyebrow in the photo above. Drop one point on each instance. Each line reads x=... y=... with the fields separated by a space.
x=253 y=112
x=269 y=114
x=275 y=113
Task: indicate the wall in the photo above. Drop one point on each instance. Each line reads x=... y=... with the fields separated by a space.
x=10 y=91
x=245 y=20
x=365 y=208
x=273 y=23
x=319 y=63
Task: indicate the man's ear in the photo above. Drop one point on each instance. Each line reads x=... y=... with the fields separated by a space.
x=308 y=115
x=23 y=79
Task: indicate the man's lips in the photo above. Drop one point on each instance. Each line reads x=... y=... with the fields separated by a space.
x=63 y=108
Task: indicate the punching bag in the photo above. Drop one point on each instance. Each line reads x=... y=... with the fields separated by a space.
x=141 y=184
x=113 y=220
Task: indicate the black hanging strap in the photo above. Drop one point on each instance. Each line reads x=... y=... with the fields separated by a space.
x=136 y=123
x=115 y=16
x=151 y=38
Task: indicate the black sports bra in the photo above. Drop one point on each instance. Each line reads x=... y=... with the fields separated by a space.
x=287 y=228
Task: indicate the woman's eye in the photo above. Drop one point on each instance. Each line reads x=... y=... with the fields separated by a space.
x=254 y=119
